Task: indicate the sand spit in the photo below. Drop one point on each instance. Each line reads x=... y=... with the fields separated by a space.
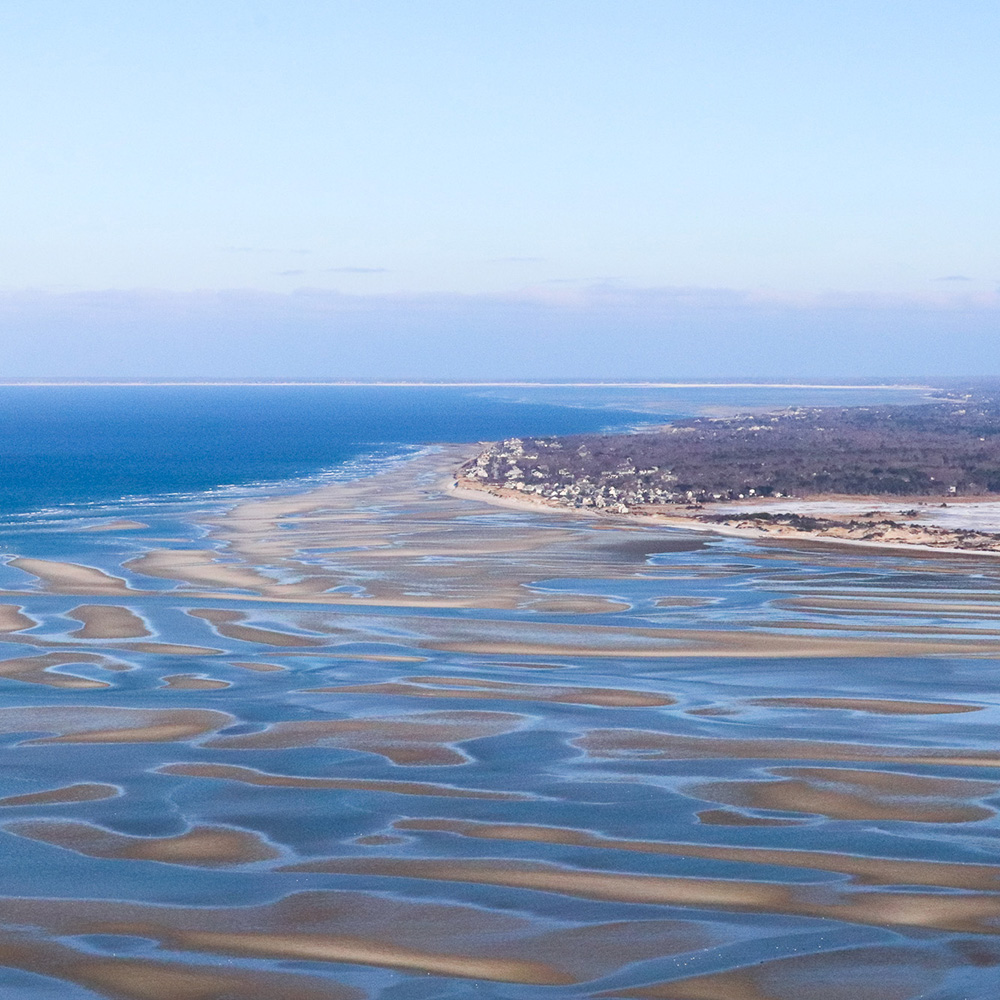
x=72 y=578
x=204 y=846
x=421 y=739
x=193 y=682
x=100 y=724
x=13 y=618
x=263 y=779
x=876 y=706
x=642 y=744
x=39 y=669
x=81 y=792
x=107 y=621
x=861 y=870
x=477 y=689
x=228 y=624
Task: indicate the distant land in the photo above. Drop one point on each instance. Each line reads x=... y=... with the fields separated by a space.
x=564 y=383
x=947 y=450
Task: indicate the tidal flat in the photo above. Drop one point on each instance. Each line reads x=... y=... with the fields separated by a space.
x=383 y=740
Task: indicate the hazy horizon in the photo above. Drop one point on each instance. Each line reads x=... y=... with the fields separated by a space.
x=466 y=190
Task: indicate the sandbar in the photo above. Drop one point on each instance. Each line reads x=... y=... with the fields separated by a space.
x=478 y=689
x=204 y=846
x=72 y=578
x=103 y=724
x=264 y=779
x=13 y=618
x=193 y=682
x=39 y=669
x=424 y=738
x=81 y=792
x=107 y=621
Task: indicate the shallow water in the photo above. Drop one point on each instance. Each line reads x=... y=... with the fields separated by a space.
x=547 y=757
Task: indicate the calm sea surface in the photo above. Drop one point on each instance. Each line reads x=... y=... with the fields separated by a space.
x=388 y=743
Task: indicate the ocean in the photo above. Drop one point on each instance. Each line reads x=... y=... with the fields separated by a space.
x=281 y=715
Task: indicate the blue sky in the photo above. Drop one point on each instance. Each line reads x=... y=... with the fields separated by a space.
x=568 y=186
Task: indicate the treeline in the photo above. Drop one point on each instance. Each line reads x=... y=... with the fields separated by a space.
x=941 y=449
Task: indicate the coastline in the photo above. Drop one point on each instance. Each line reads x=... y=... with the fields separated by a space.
x=516 y=500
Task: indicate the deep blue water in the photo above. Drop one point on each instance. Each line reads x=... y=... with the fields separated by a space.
x=71 y=444
x=86 y=444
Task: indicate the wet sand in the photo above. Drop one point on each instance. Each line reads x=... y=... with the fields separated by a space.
x=209 y=847
x=862 y=870
x=878 y=706
x=107 y=621
x=452 y=687
x=193 y=682
x=690 y=757
x=228 y=624
x=97 y=724
x=40 y=669
x=249 y=776
x=613 y=744
x=425 y=738
x=83 y=792
x=13 y=619
x=71 y=578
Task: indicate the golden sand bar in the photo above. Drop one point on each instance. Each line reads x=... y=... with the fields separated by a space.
x=876 y=706
x=205 y=846
x=862 y=870
x=149 y=979
x=477 y=689
x=82 y=792
x=38 y=669
x=424 y=738
x=100 y=724
x=840 y=793
x=972 y=912
x=107 y=621
x=193 y=682
x=427 y=937
x=227 y=623
x=13 y=618
x=251 y=776
x=72 y=578
x=872 y=973
x=617 y=744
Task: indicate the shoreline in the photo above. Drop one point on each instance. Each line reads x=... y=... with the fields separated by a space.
x=515 y=500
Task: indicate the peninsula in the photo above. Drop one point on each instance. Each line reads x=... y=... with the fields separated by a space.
x=831 y=473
